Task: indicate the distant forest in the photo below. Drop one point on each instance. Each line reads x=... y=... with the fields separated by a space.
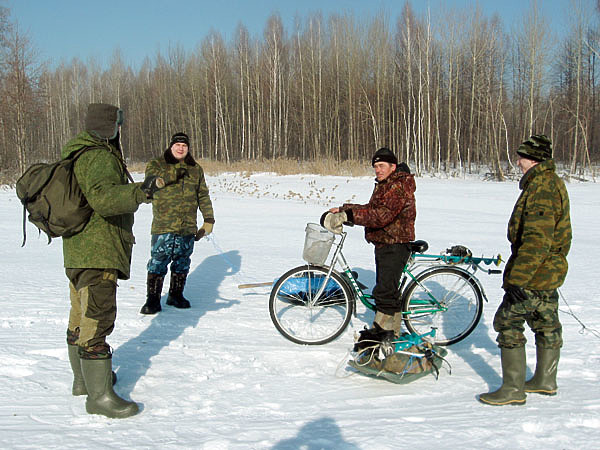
x=449 y=91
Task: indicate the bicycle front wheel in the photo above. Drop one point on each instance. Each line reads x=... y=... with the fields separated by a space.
x=447 y=299
x=301 y=316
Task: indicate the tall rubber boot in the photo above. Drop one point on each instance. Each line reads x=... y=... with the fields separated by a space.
x=102 y=399
x=154 y=286
x=176 y=297
x=544 y=378
x=78 y=382
x=513 y=379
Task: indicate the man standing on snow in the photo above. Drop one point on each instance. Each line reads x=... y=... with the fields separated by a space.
x=174 y=223
x=389 y=221
x=539 y=232
x=99 y=255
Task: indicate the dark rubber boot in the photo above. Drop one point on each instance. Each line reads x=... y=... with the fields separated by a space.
x=544 y=379
x=78 y=383
x=176 y=297
x=154 y=290
x=513 y=379
x=102 y=399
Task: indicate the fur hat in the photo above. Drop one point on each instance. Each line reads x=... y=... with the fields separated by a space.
x=103 y=120
x=537 y=148
x=384 y=155
x=179 y=137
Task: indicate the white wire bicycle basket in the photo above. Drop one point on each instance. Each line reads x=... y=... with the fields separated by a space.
x=317 y=244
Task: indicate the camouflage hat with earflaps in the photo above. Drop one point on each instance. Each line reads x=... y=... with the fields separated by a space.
x=537 y=148
x=103 y=120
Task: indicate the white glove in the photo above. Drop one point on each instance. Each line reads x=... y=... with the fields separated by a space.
x=334 y=221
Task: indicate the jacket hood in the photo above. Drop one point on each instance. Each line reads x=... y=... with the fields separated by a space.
x=83 y=139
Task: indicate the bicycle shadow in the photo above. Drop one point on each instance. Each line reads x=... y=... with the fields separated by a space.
x=316 y=435
x=135 y=355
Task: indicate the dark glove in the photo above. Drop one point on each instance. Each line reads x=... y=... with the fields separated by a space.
x=515 y=294
x=205 y=229
x=152 y=184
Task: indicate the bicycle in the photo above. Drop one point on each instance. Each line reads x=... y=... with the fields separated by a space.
x=312 y=304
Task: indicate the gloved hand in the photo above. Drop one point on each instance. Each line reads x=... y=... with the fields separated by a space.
x=515 y=294
x=152 y=184
x=334 y=221
x=205 y=229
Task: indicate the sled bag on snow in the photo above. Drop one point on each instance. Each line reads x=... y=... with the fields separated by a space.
x=396 y=363
x=53 y=198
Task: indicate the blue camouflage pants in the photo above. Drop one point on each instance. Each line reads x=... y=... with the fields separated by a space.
x=170 y=248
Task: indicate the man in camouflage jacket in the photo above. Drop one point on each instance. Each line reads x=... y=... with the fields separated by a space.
x=174 y=225
x=99 y=255
x=389 y=221
x=539 y=231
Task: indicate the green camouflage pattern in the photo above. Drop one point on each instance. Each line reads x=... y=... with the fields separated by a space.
x=175 y=207
x=107 y=239
x=538 y=147
x=539 y=231
x=540 y=311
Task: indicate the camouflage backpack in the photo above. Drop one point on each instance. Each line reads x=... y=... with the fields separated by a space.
x=53 y=198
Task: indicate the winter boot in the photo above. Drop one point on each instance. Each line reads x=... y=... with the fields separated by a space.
x=176 y=297
x=78 y=383
x=390 y=322
x=513 y=379
x=154 y=290
x=101 y=397
x=544 y=379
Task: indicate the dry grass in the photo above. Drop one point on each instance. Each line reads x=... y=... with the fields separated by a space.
x=281 y=167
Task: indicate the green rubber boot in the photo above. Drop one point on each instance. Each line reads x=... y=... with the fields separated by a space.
x=544 y=378
x=513 y=379
x=101 y=397
x=78 y=383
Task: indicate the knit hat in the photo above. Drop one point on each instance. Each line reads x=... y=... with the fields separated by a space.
x=180 y=137
x=103 y=120
x=384 y=155
x=537 y=148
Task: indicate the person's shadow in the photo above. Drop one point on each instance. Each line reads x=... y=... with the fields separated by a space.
x=168 y=325
x=316 y=435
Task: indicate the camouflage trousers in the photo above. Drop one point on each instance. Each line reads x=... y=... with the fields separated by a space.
x=540 y=311
x=93 y=294
x=170 y=248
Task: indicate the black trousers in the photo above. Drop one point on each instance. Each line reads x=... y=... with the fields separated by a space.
x=390 y=260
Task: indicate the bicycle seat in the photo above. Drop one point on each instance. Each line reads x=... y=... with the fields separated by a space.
x=418 y=246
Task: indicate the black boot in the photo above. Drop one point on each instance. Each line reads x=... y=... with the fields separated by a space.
x=176 y=297
x=154 y=290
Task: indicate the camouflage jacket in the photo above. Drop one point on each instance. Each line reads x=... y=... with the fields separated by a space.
x=539 y=231
x=389 y=217
x=107 y=240
x=175 y=208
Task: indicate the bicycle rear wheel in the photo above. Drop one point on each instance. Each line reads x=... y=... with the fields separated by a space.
x=454 y=313
x=301 y=317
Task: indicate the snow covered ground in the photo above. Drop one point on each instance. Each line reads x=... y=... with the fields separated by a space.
x=219 y=376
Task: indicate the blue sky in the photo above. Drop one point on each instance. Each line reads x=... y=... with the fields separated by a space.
x=64 y=29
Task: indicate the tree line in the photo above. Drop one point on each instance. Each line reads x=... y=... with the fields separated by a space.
x=449 y=91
